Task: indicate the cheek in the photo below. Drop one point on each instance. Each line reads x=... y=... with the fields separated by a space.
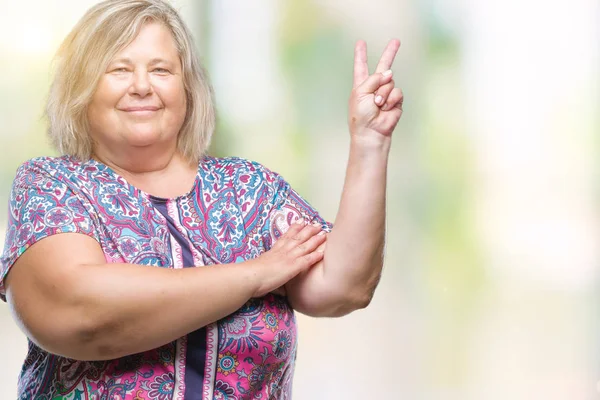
x=101 y=110
x=170 y=91
x=175 y=99
x=109 y=92
x=178 y=96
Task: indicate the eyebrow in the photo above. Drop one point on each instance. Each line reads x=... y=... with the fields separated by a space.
x=128 y=61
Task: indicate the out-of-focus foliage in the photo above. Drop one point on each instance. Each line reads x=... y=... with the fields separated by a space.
x=492 y=246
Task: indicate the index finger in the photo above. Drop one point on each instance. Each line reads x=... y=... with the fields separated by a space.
x=387 y=58
x=361 y=68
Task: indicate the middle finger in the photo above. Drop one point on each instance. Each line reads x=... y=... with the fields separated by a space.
x=387 y=58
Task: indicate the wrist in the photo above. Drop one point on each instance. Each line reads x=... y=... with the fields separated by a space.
x=251 y=275
x=370 y=146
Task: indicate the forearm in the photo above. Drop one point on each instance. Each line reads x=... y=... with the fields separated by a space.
x=118 y=309
x=354 y=254
x=70 y=302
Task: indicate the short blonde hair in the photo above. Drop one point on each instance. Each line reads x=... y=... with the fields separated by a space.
x=84 y=56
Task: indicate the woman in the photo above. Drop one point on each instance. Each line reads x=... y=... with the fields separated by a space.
x=101 y=241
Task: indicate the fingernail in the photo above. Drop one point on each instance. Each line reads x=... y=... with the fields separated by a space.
x=300 y=221
x=387 y=73
x=321 y=233
x=378 y=99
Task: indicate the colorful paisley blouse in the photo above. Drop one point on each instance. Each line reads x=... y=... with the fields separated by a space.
x=234 y=212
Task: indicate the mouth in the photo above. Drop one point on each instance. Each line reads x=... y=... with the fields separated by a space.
x=144 y=110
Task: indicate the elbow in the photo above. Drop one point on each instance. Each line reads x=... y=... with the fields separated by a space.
x=357 y=298
x=363 y=301
x=346 y=304
x=88 y=343
x=94 y=333
x=78 y=338
x=62 y=340
x=97 y=342
x=357 y=301
x=99 y=336
x=362 y=295
x=67 y=326
x=356 y=294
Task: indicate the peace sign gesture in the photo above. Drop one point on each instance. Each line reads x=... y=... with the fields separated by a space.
x=375 y=105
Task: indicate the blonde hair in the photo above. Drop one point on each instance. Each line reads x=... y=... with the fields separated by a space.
x=84 y=55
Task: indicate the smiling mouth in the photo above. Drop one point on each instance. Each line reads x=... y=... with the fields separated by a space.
x=137 y=109
x=140 y=111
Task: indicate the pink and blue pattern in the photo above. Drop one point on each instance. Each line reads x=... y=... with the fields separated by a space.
x=235 y=211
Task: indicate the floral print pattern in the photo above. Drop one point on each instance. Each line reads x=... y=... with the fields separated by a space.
x=235 y=212
x=162 y=387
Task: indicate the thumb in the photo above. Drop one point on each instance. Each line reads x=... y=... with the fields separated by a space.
x=374 y=82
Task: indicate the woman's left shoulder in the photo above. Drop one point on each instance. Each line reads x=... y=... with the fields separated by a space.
x=239 y=169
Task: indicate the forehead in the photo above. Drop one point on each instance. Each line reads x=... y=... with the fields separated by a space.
x=153 y=40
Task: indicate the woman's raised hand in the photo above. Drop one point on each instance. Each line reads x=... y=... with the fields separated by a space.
x=294 y=252
x=375 y=105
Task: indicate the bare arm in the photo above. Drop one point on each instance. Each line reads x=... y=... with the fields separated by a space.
x=346 y=278
x=70 y=302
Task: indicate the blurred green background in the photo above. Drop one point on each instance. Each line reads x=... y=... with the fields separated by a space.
x=491 y=277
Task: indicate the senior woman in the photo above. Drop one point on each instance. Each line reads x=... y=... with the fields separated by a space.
x=101 y=241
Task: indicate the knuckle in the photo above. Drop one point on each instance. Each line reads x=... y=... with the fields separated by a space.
x=315 y=242
x=308 y=258
x=301 y=262
x=292 y=228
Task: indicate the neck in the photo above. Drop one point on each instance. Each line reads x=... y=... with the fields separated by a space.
x=163 y=174
x=138 y=161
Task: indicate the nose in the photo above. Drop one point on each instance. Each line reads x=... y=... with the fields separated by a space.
x=141 y=85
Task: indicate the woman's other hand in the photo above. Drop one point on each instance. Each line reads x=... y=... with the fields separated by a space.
x=294 y=252
x=375 y=105
x=282 y=291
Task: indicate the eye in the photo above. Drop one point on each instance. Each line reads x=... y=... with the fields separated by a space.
x=119 y=70
x=161 y=70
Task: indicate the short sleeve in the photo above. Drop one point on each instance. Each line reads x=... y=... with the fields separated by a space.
x=40 y=205
x=285 y=207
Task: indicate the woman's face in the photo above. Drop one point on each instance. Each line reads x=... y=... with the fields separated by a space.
x=140 y=100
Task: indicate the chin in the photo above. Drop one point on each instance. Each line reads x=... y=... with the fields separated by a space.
x=144 y=137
